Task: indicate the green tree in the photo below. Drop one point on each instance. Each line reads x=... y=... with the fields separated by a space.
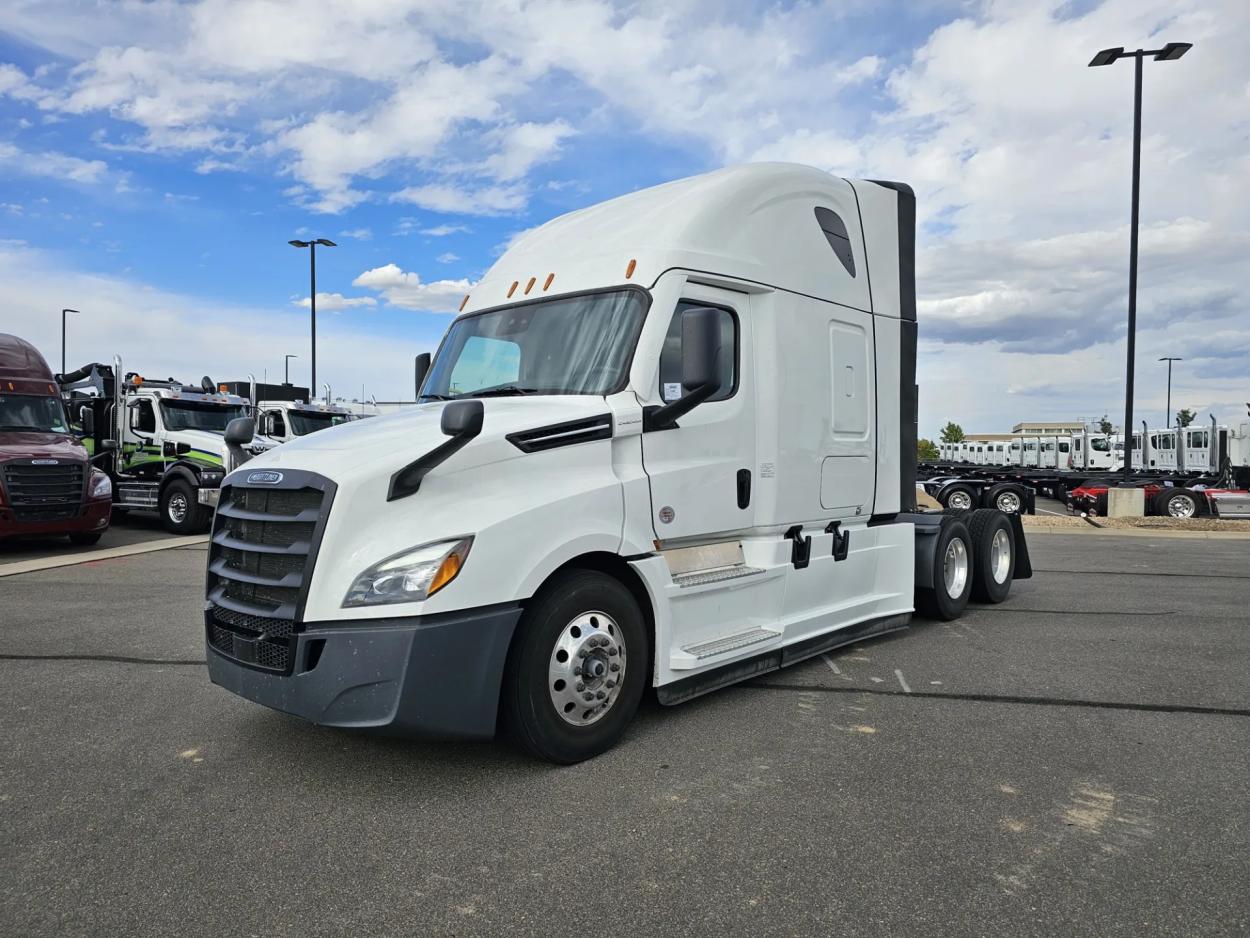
x=926 y=450
x=1185 y=416
x=952 y=433
x=1105 y=426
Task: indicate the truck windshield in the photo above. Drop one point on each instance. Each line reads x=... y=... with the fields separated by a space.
x=32 y=412
x=570 y=345
x=303 y=422
x=193 y=415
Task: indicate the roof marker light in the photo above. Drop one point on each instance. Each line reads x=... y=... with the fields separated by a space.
x=547 y=282
x=464 y=303
x=529 y=286
x=629 y=268
x=512 y=289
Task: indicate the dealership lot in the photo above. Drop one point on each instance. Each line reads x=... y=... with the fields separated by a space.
x=1074 y=761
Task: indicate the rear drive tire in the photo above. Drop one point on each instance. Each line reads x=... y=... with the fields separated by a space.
x=958 y=496
x=1006 y=498
x=1178 y=503
x=180 y=512
x=993 y=555
x=583 y=619
x=952 y=574
x=85 y=538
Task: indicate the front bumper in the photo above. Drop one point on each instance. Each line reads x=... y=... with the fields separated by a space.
x=425 y=676
x=207 y=496
x=94 y=516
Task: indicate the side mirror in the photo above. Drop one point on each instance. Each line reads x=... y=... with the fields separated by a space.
x=86 y=417
x=462 y=418
x=461 y=421
x=239 y=431
x=700 y=368
x=108 y=446
x=422 y=368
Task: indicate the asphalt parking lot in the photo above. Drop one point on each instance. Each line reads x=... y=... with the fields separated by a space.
x=1072 y=762
x=125 y=529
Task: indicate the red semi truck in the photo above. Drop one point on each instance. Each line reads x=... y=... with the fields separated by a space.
x=47 y=483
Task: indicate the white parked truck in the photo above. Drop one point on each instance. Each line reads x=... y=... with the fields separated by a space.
x=668 y=443
x=283 y=421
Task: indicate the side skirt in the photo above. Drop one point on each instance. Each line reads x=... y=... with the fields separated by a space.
x=698 y=684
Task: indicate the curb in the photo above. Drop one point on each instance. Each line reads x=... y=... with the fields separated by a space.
x=147 y=547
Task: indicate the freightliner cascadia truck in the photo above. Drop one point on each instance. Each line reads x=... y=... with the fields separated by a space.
x=668 y=443
x=47 y=483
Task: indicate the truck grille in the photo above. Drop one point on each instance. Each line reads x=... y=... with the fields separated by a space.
x=259 y=563
x=44 y=493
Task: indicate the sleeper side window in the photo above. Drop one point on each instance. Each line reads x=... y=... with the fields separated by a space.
x=670 y=357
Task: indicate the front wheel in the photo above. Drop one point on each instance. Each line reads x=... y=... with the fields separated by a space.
x=577 y=669
x=180 y=512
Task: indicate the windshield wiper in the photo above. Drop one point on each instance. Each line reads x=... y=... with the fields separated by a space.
x=438 y=397
x=504 y=390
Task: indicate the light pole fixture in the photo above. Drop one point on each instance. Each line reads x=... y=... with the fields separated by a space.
x=1168 y=414
x=287 y=368
x=63 y=312
x=312 y=291
x=1169 y=53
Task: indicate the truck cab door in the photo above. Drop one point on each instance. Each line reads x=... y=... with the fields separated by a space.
x=702 y=472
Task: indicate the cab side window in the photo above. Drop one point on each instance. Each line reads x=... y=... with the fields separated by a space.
x=670 y=357
x=143 y=417
x=279 y=423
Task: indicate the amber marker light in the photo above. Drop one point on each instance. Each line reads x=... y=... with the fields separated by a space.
x=446 y=572
x=547 y=282
x=512 y=289
x=463 y=303
x=529 y=286
x=629 y=268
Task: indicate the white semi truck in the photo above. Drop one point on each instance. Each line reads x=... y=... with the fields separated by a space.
x=167 y=439
x=283 y=421
x=668 y=443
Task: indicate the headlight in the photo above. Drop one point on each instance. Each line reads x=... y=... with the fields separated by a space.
x=101 y=485
x=211 y=477
x=414 y=575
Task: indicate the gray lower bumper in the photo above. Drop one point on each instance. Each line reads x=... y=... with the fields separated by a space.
x=428 y=676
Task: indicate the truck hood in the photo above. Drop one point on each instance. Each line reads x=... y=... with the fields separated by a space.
x=36 y=444
x=383 y=445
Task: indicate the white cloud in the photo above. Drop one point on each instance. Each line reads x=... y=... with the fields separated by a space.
x=450 y=199
x=52 y=165
x=407 y=290
x=187 y=336
x=333 y=302
x=441 y=231
x=357 y=234
x=447 y=258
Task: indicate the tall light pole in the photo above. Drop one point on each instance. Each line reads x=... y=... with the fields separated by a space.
x=63 y=312
x=1169 y=53
x=287 y=369
x=1168 y=415
x=312 y=294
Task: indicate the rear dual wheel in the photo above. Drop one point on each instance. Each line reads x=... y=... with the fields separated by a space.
x=974 y=558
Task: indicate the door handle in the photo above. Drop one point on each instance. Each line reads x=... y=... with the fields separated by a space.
x=744 y=488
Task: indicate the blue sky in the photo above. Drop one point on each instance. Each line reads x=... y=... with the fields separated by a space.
x=156 y=157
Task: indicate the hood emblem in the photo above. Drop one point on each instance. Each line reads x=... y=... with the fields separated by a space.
x=45 y=462
x=264 y=477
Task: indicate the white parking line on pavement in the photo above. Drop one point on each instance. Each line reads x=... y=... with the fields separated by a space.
x=147 y=547
x=902 y=683
x=832 y=667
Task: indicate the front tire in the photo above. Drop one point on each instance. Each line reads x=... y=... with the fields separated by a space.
x=180 y=512
x=573 y=632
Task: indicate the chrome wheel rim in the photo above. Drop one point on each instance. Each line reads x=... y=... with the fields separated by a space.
x=1181 y=506
x=955 y=568
x=177 y=508
x=586 y=669
x=1008 y=502
x=959 y=500
x=1000 y=556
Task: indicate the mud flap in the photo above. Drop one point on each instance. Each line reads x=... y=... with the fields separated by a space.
x=1024 y=567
